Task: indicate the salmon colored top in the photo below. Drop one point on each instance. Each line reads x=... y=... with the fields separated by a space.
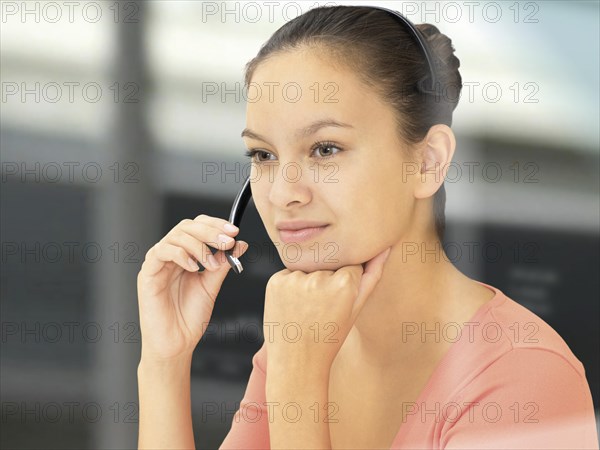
x=508 y=381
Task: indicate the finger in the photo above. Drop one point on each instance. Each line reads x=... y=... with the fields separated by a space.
x=370 y=278
x=217 y=222
x=214 y=280
x=212 y=236
x=239 y=249
x=205 y=229
x=197 y=249
x=162 y=253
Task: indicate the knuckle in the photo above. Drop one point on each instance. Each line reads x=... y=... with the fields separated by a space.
x=313 y=282
x=272 y=281
x=181 y=253
x=343 y=279
x=275 y=280
x=150 y=252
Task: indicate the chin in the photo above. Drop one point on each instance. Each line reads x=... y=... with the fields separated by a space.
x=309 y=265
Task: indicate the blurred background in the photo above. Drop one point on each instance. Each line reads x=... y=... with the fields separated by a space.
x=119 y=119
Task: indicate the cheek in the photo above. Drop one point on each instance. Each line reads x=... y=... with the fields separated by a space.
x=377 y=207
x=369 y=193
x=359 y=208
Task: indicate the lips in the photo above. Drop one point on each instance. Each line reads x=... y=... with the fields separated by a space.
x=298 y=224
x=301 y=234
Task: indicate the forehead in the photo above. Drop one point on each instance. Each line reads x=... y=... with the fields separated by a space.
x=306 y=85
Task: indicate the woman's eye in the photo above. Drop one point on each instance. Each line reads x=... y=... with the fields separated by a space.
x=323 y=150
x=252 y=153
x=327 y=146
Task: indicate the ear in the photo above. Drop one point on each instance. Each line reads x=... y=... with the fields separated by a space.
x=436 y=156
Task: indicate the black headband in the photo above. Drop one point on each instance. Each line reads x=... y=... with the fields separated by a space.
x=422 y=44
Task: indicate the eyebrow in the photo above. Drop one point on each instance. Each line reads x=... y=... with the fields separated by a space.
x=302 y=132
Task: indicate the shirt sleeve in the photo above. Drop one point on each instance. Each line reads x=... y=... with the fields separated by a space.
x=250 y=424
x=527 y=398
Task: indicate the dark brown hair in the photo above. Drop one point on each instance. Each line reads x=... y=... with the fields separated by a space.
x=373 y=44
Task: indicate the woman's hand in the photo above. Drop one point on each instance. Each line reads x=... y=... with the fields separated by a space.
x=175 y=300
x=309 y=315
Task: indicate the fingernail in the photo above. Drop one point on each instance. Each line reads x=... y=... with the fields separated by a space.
x=213 y=261
x=224 y=238
x=193 y=264
x=229 y=227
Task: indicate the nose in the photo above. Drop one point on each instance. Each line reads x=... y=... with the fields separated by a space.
x=289 y=186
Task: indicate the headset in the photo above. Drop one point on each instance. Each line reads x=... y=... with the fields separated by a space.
x=245 y=193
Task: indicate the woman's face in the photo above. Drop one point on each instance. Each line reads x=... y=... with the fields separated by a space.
x=358 y=190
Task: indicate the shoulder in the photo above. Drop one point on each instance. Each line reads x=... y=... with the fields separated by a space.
x=526 y=335
x=524 y=389
x=506 y=348
x=529 y=375
x=527 y=398
x=504 y=336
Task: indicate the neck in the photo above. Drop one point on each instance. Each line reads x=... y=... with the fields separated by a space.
x=419 y=290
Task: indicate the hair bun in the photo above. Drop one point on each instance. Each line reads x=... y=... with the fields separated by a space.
x=441 y=46
x=446 y=63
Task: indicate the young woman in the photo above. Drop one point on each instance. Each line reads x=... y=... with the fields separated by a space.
x=374 y=339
